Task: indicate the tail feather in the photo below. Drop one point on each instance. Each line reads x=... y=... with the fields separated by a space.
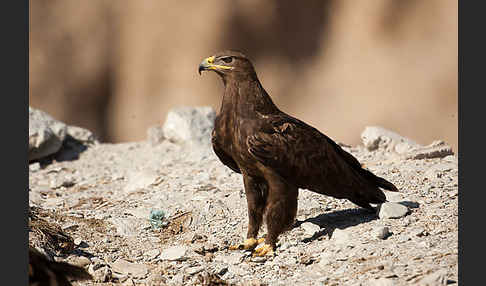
x=380 y=182
x=355 y=164
x=373 y=193
x=369 y=187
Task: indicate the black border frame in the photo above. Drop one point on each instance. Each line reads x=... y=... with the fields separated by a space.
x=14 y=118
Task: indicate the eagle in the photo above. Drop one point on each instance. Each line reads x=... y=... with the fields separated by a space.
x=278 y=154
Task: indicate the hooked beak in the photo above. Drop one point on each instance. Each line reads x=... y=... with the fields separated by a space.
x=205 y=64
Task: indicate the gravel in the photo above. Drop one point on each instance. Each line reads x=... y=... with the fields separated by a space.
x=117 y=185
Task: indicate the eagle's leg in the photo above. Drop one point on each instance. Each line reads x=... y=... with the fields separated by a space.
x=280 y=213
x=256 y=192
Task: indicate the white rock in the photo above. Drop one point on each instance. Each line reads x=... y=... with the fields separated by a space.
x=190 y=125
x=375 y=137
x=54 y=184
x=425 y=244
x=438 y=149
x=450 y=158
x=82 y=135
x=45 y=134
x=35 y=198
x=78 y=241
x=34 y=167
x=419 y=232
x=136 y=270
x=403 y=147
x=392 y=210
x=309 y=228
x=194 y=270
x=80 y=261
x=403 y=238
x=381 y=232
x=177 y=252
x=284 y=246
x=259 y=259
x=102 y=216
x=67 y=182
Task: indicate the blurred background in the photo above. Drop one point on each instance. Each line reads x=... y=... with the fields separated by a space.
x=117 y=67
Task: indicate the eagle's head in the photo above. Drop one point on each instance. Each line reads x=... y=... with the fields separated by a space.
x=228 y=64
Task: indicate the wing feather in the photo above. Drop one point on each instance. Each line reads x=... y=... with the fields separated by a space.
x=302 y=154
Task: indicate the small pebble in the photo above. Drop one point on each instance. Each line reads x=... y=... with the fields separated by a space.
x=177 y=252
x=78 y=241
x=81 y=261
x=34 y=167
x=259 y=259
x=382 y=232
x=310 y=229
x=152 y=254
x=419 y=232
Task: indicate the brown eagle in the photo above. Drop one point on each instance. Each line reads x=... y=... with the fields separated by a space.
x=277 y=154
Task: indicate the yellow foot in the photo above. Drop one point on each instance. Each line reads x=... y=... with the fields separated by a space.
x=249 y=243
x=266 y=249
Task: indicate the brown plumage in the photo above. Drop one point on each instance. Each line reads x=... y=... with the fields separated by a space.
x=277 y=154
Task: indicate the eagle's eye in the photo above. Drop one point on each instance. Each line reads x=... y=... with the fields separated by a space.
x=227 y=59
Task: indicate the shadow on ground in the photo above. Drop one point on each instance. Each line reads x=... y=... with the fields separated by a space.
x=70 y=150
x=338 y=219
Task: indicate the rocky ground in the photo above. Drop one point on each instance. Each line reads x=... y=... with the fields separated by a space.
x=103 y=197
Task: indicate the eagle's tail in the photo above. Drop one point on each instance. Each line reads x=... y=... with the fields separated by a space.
x=382 y=183
x=379 y=181
x=373 y=194
x=369 y=176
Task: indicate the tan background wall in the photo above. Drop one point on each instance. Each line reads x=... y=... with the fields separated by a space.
x=117 y=67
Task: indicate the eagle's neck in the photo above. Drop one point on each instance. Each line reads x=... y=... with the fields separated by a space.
x=245 y=98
